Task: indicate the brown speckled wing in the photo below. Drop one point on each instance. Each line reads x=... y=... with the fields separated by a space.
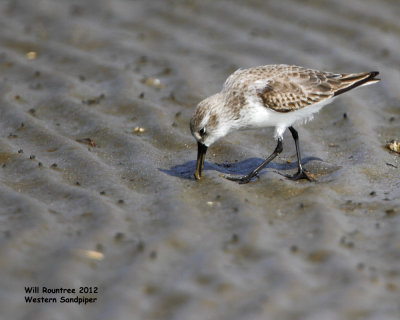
x=299 y=88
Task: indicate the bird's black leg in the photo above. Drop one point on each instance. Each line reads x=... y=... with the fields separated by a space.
x=247 y=178
x=301 y=173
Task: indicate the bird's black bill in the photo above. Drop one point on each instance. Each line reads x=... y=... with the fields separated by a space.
x=201 y=155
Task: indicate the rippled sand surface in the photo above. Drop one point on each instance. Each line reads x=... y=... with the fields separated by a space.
x=96 y=163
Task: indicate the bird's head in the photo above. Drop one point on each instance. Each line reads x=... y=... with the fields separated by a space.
x=207 y=126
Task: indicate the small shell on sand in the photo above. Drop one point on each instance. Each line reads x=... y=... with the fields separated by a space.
x=153 y=82
x=31 y=55
x=139 y=130
x=90 y=254
x=394 y=146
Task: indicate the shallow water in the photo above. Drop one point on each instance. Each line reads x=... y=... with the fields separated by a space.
x=89 y=199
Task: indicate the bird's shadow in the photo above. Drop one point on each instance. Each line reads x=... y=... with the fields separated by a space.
x=186 y=170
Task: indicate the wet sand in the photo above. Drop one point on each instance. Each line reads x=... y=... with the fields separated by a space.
x=97 y=161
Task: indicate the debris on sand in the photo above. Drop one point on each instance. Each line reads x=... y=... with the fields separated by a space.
x=88 y=141
x=94 y=100
x=394 y=146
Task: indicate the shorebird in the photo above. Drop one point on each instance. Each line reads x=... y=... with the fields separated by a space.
x=277 y=96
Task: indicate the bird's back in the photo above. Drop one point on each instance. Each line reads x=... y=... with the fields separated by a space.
x=286 y=88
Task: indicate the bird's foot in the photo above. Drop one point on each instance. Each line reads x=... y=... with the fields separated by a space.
x=240 y=179
x=301 y=174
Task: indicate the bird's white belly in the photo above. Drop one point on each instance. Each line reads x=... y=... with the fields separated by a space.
x=258 y=116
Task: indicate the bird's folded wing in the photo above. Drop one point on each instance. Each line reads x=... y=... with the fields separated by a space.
x=290 y=92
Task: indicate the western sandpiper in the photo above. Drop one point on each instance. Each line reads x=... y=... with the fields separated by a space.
x=269 y=96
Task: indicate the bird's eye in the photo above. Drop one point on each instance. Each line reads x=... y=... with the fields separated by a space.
x=202 y=131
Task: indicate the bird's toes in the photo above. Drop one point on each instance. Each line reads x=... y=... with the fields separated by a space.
x=301 y=174
x=239 y=179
